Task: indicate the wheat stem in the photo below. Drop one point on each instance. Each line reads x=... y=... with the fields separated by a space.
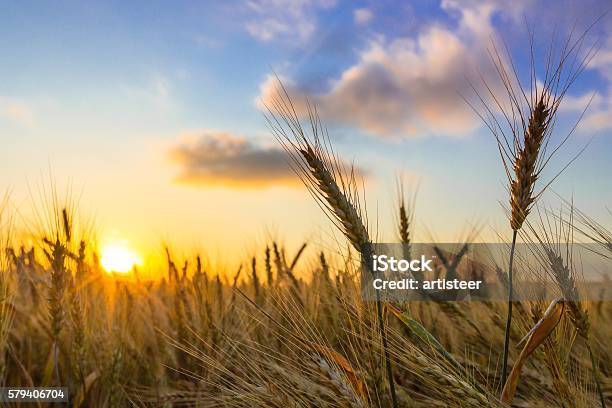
x=509 y=318
x=596 y=376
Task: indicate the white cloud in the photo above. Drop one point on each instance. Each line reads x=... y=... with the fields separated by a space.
x=603 y=61
x=573 y=103
x=286 y=20
x=207 y=41
x=411 y=86
x=598 y=115
x=598 y=120
x=161 y=86
x=362 y=16
x=156 y=91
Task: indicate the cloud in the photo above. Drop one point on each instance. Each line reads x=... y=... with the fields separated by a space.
x=598 y=117
x=362 y=16
x=157 y=91
x=598 y=120
x=599 y=102
x=410 y=86
x=221 y=158
x=217 y=158
x=207 y=42
x=598 y=113
x=287 y=20
x=16 y=111
x=602 y=61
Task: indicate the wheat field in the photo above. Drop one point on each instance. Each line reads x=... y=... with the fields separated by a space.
x=287 y=329
x=290 y=327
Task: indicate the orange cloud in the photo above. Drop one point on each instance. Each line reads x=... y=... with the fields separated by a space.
x=217 y=158
x=221 y=158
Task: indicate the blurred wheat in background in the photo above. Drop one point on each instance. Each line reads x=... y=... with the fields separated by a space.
x=287 y=329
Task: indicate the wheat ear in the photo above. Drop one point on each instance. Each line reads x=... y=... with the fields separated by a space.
x=327 y=180
x=523 y=130
x=555 y=239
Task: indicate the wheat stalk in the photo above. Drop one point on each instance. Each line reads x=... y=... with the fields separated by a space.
x=554 y=252
x=522 y=121
x=268 y=263
x=6 y=291
x=327 y=181
x=255 y=280
x=553 y=361
x=447 y=381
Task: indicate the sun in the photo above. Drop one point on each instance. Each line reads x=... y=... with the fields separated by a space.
x=118 y=257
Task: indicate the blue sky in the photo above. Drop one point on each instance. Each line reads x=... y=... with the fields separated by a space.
x=150 y=108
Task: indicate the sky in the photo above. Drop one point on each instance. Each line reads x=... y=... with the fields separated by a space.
x=150 y=113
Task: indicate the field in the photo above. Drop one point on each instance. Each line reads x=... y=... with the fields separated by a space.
x=288 y=329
